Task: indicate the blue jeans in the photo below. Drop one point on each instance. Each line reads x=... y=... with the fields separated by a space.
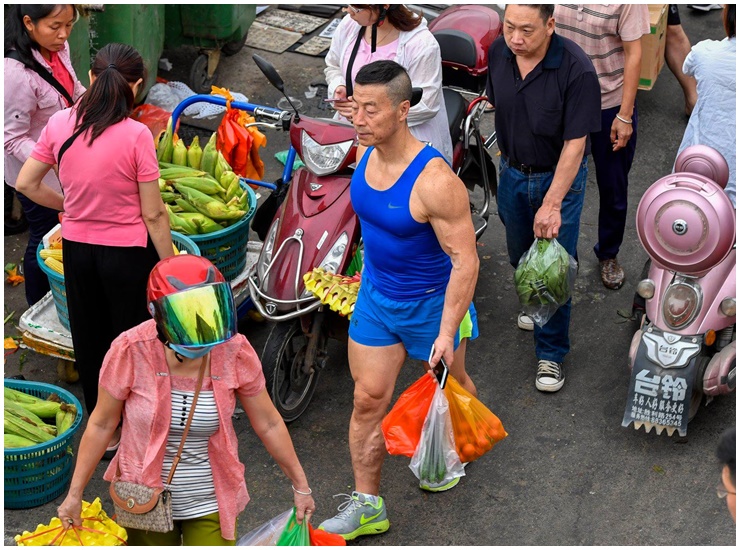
x=41 y=220
x=519 y=197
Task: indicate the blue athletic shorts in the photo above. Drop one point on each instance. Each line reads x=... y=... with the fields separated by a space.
x=378 y=321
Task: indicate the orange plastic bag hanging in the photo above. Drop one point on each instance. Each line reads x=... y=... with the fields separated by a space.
x=475 y=427
x=317 y=537
x=402 y=425
x=238 y=144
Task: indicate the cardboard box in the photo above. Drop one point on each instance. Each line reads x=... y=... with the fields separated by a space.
x=53 y=239
x=653 y=46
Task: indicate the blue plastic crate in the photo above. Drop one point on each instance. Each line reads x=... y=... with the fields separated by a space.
x=234 y=239
x=39 y=474
x=56 y=280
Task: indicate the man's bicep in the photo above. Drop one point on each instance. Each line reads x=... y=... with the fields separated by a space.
x=448 y=209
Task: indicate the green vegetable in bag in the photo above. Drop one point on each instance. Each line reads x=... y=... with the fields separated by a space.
x=294 y=534
x=542 y=276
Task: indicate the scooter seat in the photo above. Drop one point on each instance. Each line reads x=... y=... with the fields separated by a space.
x=457 y=107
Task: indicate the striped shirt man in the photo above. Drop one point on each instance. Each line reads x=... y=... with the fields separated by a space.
x=600 y=30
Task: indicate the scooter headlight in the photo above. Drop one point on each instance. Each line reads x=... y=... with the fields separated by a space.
x=267 y=250
x=681 y=304
x=333 y=258
x=646 y=288
x=728 y=307
x=323 y=159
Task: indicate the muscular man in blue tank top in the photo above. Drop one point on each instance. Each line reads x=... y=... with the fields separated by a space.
x=421 y=267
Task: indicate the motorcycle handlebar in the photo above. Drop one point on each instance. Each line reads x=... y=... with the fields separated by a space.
x=257 y=110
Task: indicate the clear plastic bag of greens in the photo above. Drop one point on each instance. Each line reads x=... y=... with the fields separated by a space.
x=544 y=279
x=435 y=461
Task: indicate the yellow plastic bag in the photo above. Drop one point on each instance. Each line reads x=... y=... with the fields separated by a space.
x=97 y=530
x=475 y=427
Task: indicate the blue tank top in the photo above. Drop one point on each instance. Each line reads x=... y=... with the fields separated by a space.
x=403 y=258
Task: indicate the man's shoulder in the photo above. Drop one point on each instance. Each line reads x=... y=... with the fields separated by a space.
x=497 y=47
x=575 y=56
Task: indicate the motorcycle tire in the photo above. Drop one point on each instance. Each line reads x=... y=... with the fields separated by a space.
x=289 y=387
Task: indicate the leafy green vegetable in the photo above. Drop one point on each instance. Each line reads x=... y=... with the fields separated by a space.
x=543 y=275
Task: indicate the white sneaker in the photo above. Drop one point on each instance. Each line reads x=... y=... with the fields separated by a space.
x=525 y=322
x=705 y=7
x=550 y=376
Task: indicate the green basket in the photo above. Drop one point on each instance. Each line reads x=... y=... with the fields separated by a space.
x=39 y=474
x=227 y=248
x=56 y=280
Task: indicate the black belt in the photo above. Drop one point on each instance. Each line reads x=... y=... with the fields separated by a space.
x=528 y=169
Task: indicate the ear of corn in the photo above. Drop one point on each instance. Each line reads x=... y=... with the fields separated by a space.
x=12 y=441
x=179 y=224
x=180 y=172
x=13 y=424
x=165 y=147
x=209 y=158
x=208 y=205
x=185 y=205
x=19 y=396
x=42 y=409
x=51 y=253
x=195 y=153
x=20 y=410
x=179 y=152
x=65 y=417
x=221 y=166
x=55 y=265
x=204 y=223
x=204 y=185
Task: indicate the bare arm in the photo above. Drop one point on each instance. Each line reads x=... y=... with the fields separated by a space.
x=29 y=184
x=155 y=218
x=622 y=132
x=547 y=220
x=100 y=428
x=270 y=428
x=442 y=200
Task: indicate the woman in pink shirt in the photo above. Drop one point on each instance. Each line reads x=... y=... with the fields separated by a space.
x=150 y=376
x=35 y=40
x=115 y=225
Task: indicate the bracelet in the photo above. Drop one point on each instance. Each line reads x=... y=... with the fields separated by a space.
x=623 y=119
x=302 y=492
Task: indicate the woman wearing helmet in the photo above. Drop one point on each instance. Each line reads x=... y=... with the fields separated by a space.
x=150 y=376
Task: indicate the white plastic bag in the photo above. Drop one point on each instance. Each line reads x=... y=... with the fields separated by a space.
x=268 y=533
x=435 y=461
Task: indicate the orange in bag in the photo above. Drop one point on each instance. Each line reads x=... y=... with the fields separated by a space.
x=402 y=425
x=475 y=427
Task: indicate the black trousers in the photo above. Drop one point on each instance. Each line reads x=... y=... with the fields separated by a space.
x=106 y=295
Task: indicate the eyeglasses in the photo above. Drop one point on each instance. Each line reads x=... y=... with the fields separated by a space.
x=354 y=9
x=722 y=492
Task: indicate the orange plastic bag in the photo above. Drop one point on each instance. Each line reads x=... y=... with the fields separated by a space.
x=402 y=425
x=475 y=427
x=153 y=117
x=322 y=538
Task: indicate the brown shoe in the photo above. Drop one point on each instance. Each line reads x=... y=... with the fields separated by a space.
x=612 y=274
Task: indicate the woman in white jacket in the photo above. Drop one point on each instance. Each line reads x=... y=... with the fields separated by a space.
x=391 y=31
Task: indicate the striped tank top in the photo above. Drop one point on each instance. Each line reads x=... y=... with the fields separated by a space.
x=192 y=488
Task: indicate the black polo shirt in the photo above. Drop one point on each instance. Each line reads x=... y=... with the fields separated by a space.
x=559 y=100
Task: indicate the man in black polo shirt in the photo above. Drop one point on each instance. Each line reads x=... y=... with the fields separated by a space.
x=548 y=101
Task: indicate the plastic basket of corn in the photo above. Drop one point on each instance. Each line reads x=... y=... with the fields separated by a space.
x=39 y=474
x=56 y=279
x=227 y=248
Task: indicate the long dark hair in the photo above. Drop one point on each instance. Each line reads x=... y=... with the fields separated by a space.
x=16 y=35
x=397 y=15
x=110 y=99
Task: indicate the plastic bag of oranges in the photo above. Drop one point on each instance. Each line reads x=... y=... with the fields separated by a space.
x=475 y=427
x=97 y=530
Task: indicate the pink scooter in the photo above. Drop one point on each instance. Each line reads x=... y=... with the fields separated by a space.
x=684 y=352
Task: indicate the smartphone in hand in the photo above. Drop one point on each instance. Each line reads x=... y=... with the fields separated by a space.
x=440 y=370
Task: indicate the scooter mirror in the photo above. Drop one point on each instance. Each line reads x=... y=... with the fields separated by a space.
x=416 y=95
x=269 y=71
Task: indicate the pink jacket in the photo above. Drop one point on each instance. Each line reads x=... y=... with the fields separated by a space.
x=29 y=103
x=135 y=371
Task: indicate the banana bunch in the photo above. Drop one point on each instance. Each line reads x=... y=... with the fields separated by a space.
x=200 y=191
x=337 y=291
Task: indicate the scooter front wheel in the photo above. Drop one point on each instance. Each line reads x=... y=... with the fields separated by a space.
x=289 y=387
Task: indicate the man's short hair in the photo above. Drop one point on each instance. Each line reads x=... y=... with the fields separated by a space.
x=389 y=74
x=726 y=451
x=546 y=10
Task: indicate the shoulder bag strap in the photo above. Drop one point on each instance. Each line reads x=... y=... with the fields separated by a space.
x=43 y=73
x=348 y=76
x=190 y=418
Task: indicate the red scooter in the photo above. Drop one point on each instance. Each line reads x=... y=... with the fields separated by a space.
x=315 y=226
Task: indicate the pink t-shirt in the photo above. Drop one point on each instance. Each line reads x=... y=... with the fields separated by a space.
x=364 y=55
x=101 y=182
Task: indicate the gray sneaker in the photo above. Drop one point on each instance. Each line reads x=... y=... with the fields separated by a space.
x=357 y=517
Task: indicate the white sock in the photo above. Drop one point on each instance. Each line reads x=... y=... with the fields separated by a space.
x=370 y=499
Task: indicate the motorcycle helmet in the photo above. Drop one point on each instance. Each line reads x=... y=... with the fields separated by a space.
x=192 y=305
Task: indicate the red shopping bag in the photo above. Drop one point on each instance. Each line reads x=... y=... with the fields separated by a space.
x=317 y=537
x=402 y=425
